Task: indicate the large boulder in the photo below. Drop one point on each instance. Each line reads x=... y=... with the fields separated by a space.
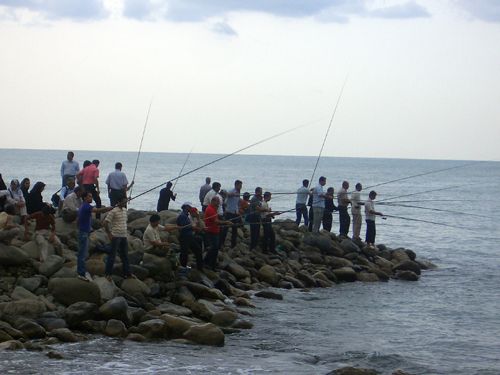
x=12 y=256
x=337 y=262
x=52 y=264
x=158 y=267
x=345 y=274
x=349 y=246
x=115 y=328
x=30 y=283
x=173 y=309
x=64 y=335
x=224 y=318
x=31 y=329
x=201 y=291
x=154 y=328
x=135 y=287
x=116 y=308
x=205 y=334
x=26 y=307
x=79 y=312
x=268 y=274
x=108 y=290
x=407 y=275
x=408 y=265
x=399 y=255
x=51 y=323
x=10 y=331
x=236 y=270
x=71 y=290
x=177 y=326
x=20 y=293
x=323 y=243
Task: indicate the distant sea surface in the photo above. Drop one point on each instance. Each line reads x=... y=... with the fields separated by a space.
x=446 y=323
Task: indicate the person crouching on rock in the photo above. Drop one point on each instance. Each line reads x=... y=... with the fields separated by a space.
x=212 y=225
x=187 y=238
x=45 y=230
x=8 y=230
x=84 y=228
x=115 y=225
x=153 y=243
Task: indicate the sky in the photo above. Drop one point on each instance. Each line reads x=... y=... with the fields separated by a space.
x=422 y=77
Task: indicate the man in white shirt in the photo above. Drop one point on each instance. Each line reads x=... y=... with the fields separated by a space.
x=370 y=215
x=300 y=203
x=117 y=184
x=318 y=204
x=213 y=193
x=356 y=211
x=343 y=202
x=153 y=242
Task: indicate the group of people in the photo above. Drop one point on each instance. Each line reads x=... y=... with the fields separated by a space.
x=321 y=207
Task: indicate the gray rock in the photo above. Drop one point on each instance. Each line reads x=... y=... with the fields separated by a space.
x=201 y=291
x=367 y=277
x=12 y=256
x=79 y=312
x=20 y=293
x=65 y=272
x=224 y=318
x=9 y=330
x=159 y=268
x=205 y=334
x=5 y=336
x=268 y=274
x=52 y=264
x=115 y=328
x=11 y=345
x=30 y=283
x=176 y=326
x=173 y=309
x=408 y=265
x=349 y=246
x=236 y=270
x=31 y=330
x=51 y=323
x=268 y=294
x=64 y=335
x=345 y=274
x=407 y=275
x=135 y=287
x=108 y=290
x=154 y=328
x=71 y=290
x=27 y=307
x=116 y=308
x=94 y=326
x=353 y=371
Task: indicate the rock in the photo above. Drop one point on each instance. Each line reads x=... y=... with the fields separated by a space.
x=183 y=296
x=307 y=279
x=407 y=275
x=5 y=336
x=268 y=294
x=51 y=323
x=384 y=264
x=296 y=283
x=242 y=324
x=154 y=328
x=345 y=274
x=64 y=335
x=236 y=270
x=12 y=256
x=71 y=290
x=54 y=355
x=398 y=256
x=116 y=308
x=401 y=372
x=115 y=328
x=26 y=307
x=65 y=272
x=367 y=277
x=353 y=371
x=240 y=301
x=408 y=265
x=337 y=262
x=79 y=312
x=411 y=254
x=201 y=310
x=135 y=337
x=173 y=309
x=30 y=248
x=94 y=326
x=133 y=215
x=224 y=286
x=107 y=290
x=140 y=224
x=177 y=326
x=268 y=274
x=201 y=291
x=135 y=287
x=205 y=334
x=52 y=264
x=349 y=246
x=11 y=345
x=9 y=330
x=20 y=293
x=31 y=330
x=159 y=267
x=285 y=284
x=30 y=283
x=322 y=242
x=224 y=318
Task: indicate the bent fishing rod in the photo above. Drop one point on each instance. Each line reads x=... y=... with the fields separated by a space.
x=222 y=158
x=140 y=144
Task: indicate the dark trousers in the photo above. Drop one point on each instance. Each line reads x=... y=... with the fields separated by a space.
x=345 y=220
x=301 y=212
x=254 y=220
x=269 y=242
x=187 y=243
x=327 y=221
x=114 y=196
x=213 y=240
x=95 y=196
x=120 y=245
x=237 y=222
x=370 y=231
x=311 y=219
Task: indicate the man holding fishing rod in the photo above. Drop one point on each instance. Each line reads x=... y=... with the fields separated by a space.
x=370 y=215
x=343 y=202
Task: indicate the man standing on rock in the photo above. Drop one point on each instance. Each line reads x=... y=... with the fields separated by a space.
x=356 y=212
x=89 y=177
x=187 y=238
x=115 y=225
x=343 y=202
x=300 y=203
x=69 y=168
x=117 y=184
x=204 y=189
x=232 y=213
x=370 y=215
x=84 y=228
x=318 y=204
x=254 y=218
x=212 y=227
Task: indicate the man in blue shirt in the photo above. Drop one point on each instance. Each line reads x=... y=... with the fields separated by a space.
x=232 y=213
x=69 y=168
x=84 y=229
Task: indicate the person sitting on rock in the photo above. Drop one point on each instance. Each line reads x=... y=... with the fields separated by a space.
x=115 y=225
x=153 y=243
x=45 y=230
x=35 y=202
x=16 y=198
x=187 y=238
x=71 y=204
x=8 y=230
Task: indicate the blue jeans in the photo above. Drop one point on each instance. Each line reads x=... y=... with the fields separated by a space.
x=83 y=251
x=301 y=211
x=120 y=245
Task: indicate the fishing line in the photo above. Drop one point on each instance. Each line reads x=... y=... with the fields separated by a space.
x=140 y=145
x=424 y=221
x=432 y=209
x=182 y=169
x=420 y=192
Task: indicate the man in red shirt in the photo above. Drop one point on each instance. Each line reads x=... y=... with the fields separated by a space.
x=89 y=178
x=212 y=228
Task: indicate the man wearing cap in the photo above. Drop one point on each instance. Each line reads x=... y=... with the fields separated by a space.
x=187 y=239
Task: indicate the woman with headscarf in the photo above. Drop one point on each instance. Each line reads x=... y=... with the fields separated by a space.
x=3 y=194
x=25 y=187
x=16 y=198
x=35 y=199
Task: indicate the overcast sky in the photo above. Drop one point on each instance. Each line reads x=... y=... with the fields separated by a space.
x=423 y=76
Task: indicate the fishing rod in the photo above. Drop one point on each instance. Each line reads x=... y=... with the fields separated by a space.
x=182 y=169
x=328 y=131
x=420 y=192
x=420 y=174
x=222 y=158
x=423 y=221
x=432 y=209
x=140 y=144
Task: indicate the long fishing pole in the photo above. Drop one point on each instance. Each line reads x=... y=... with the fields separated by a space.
x=222 y=158
x=140 y=144
x=328 y=130
x=420 y=192
x=423 y=221
x=182 y=168
x=391 y=204
x=420 y=174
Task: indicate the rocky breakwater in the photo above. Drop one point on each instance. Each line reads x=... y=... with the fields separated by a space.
x=45 y=303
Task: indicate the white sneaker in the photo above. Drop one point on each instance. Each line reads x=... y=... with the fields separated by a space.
x=88 y=276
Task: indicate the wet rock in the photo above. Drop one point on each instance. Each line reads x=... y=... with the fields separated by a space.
x=408 y=265
x=411 y=254
x=31 y=330
x=236 y=270
x=51 y=323
x=94 y=326
x=345 y=274
x=159 y=267
x=135 y=287
x=285 y=284
x=296 y=283
x=205 y=334
x=115 y=328
x=52 y=264
x=27 y=307
x=12 y=256
x=349 y=246
x=224 y=318
x=425 y=264
x=201 y=291
x=242 y=324
x=268 y=274
x=337 y=262
x=173 y=309
x=353 y=371
x=65 y=272
x=116 y=308
x=367 y=277
x=9 y=330
x=268 y=294
x=398 y=256
x=64 y=335
x=202 y=310
x=55 y=355
x=240 y=301
x=307 y=279
x=5 y=336
x=384 y=264
x=79 y=312
x=177 y=326
x=20 y=293
x=11 y=345
x=154 y=328
x=407 y=275
x=69 y=290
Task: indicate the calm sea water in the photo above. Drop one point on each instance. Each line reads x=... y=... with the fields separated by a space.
x=446 y=323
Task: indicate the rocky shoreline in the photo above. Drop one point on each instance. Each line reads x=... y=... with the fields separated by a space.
x=45 y=303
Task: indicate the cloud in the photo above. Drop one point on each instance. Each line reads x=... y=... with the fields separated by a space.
x=323 y=10
x=486 y=10
x=224 y=28
x=56 y=9
x=407 y=10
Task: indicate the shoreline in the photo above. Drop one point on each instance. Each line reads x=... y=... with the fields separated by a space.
x=45 y=304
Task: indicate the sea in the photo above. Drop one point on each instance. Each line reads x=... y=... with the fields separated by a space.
x=448 y=322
